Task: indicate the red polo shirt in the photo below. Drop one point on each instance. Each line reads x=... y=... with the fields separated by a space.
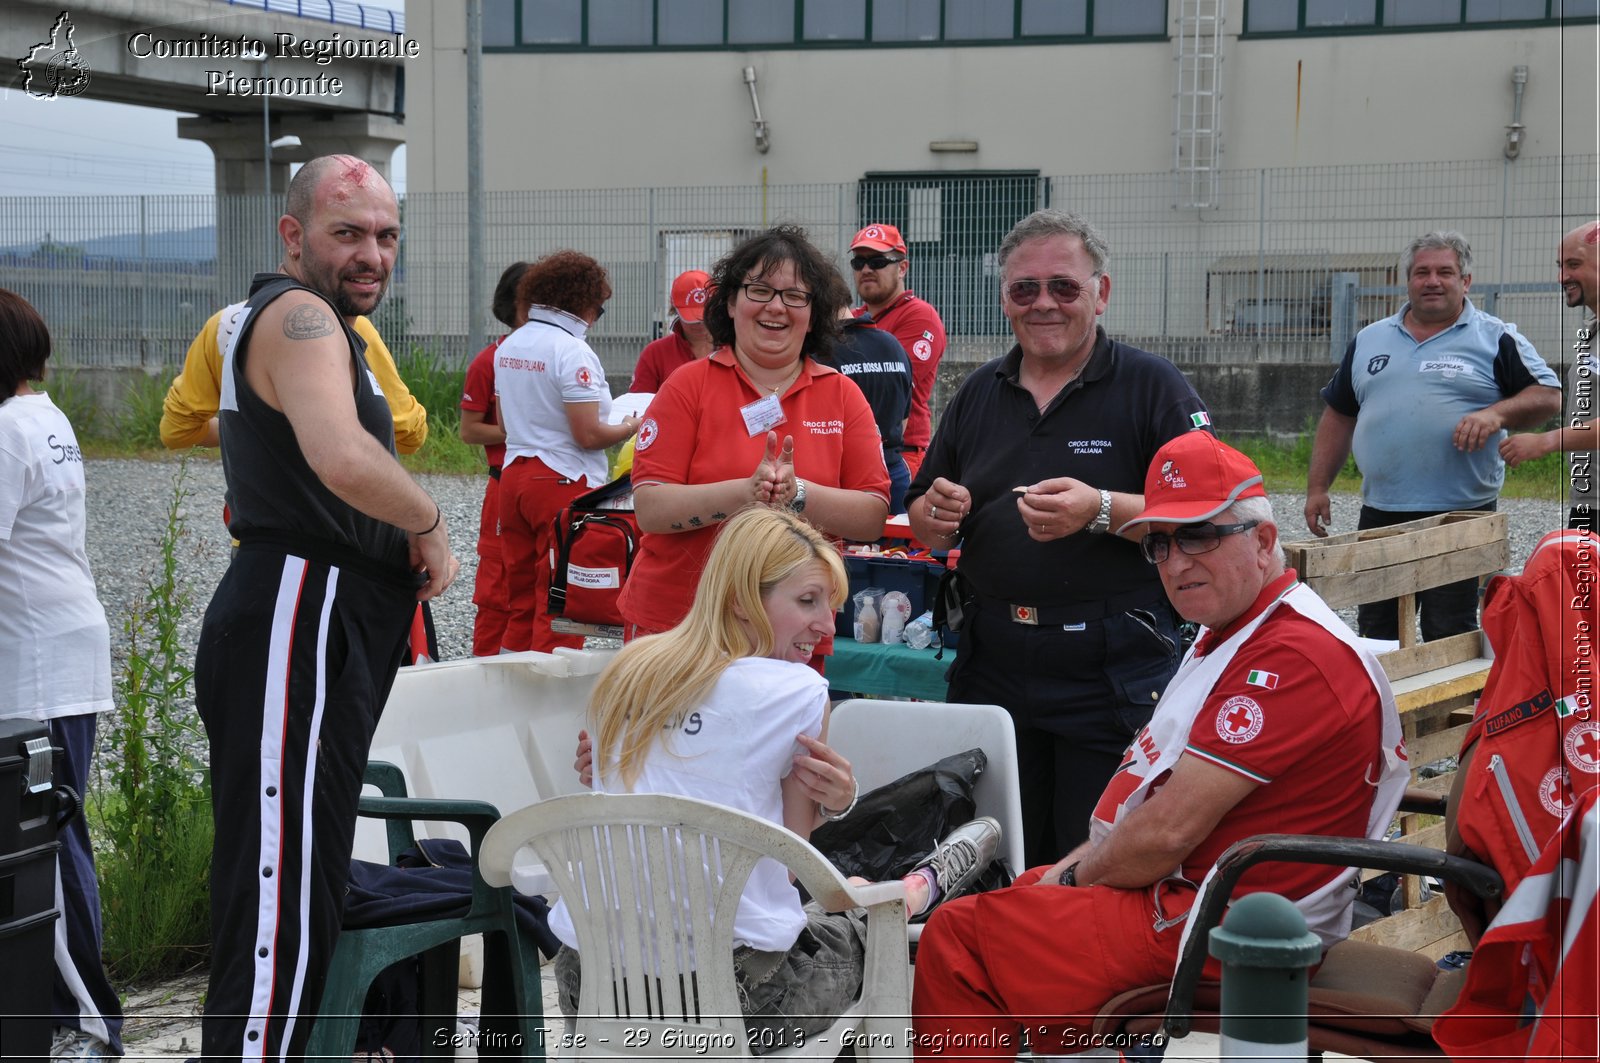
x=693 y=433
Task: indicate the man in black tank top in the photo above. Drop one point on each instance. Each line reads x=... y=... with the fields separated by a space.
x=304 y=634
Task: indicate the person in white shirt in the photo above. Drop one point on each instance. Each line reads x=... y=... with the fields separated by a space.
x=724 y=708
x=55 y=655
x=556 y=410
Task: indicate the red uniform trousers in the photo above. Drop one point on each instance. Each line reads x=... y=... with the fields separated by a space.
x=489 y=588
x=532 y=495
x=913 y=457
x=1040 y=961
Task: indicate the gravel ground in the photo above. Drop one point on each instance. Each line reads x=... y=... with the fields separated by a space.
x=127 y=499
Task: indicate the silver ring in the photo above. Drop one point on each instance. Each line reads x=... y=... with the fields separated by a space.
x=933 y=511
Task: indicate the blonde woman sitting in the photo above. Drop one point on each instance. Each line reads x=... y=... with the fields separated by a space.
x=723 y=708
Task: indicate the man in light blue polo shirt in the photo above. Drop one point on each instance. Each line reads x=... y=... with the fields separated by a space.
x=1426 y=397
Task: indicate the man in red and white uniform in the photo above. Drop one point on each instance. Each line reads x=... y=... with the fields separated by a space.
x=1277 y=720
x=687 y=340
x=878 y=259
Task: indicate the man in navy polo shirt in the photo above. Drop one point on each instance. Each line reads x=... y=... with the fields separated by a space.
x=1425 y=398
x=1039 y=455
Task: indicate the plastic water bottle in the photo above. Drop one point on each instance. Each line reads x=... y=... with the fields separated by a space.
x=919 y=633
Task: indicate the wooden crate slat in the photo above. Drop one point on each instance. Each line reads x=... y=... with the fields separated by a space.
x=1360 y=586
x=1414 y=929
x=1456 y=681
x=1429 y=748
x=1414 y=660
x=1377 y=548
x=1431 y=836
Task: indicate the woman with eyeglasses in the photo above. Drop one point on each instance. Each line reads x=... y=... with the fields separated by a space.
x=556 y=410
x=759 y=421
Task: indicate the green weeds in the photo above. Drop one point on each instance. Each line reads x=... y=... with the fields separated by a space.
x=151 y=803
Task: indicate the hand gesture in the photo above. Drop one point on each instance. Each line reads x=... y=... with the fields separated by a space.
x=1520 y=448
x=1319 y=513
x=824 y=775
x=1476 y=428
x=764 y=482
x=1056 y=508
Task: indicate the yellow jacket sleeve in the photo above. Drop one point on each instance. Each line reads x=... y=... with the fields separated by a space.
x=410 y=418
x=195 y=393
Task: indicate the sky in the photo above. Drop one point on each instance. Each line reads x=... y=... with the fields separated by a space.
x=77 y=146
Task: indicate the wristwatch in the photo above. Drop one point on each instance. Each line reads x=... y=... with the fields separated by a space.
x=798 y=503
x=1102 y=521
x=1069 y=877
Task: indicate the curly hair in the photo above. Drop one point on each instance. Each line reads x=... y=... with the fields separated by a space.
x=566 y=280
x=24 y=343
x=505 y=303
x=756 y=258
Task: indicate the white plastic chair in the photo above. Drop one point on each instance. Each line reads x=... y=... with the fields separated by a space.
x=884 y=740
x=652 y=881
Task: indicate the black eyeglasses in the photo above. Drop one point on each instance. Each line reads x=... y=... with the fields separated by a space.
x=1062 y=290
x=1191 y=539
x=600 y=313
x=763 y=293
x=875 y=262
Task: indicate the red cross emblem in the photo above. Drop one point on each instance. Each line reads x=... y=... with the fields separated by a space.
x=1239 y=720
x=1553 y=793
x=647 y=434
x=584 y=377
x=1583 y=747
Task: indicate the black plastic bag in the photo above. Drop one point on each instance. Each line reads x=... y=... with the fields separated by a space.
x=896 y=825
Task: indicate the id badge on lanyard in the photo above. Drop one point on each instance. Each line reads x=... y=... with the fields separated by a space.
x=762 y=415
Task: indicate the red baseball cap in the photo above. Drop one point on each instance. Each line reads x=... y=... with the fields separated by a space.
x=879 y=237
x=690 y=291
x=1193 y=478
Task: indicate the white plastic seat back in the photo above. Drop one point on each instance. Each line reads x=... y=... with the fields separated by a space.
x=652 y=883
x=884 y=740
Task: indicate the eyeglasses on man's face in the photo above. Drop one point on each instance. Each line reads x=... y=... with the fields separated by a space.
x=1062 y=289
x=861 y=262
x=764 y=293
x=1191 y=539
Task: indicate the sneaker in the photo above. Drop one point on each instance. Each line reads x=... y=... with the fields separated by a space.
x=962 y=856
x=74 y=1044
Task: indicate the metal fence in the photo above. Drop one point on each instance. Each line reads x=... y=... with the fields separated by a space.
x=128 y=280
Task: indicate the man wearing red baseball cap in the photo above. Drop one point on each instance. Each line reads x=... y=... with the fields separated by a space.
x=1277 y=721
x=878 y=260
x=685 y=341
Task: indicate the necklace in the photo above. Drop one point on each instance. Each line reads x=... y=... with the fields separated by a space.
x=788 y=377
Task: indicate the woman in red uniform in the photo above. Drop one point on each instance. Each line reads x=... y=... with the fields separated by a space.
x=760 y=420
x=555 y=406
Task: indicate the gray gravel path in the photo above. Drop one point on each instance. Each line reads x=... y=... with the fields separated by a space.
x=127 y=499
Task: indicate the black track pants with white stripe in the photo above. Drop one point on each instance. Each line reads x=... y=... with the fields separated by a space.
x=294 y=664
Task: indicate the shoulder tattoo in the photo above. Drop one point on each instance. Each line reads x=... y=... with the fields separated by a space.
x=307 y=322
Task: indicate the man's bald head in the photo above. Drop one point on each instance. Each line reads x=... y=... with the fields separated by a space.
x=1579 y=265
x=329 y=178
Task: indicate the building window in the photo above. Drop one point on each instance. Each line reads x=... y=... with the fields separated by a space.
x=835 y=20
x=614 y=23
x=1294 y=16
x=552 y=22
x=690 y=21
x=1055 y=18
x=761 y=22
x=905 y=20
x=561 y=24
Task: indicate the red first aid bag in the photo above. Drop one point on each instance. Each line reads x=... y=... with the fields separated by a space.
x=596 y=539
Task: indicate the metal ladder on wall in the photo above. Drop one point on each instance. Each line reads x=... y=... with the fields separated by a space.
x=1197 y=121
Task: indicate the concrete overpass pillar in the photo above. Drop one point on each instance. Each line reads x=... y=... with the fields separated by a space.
x=247 y=217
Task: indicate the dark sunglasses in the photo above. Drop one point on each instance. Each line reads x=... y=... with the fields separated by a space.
x=1191 y=539
x=875 y=262
x=1062 y=290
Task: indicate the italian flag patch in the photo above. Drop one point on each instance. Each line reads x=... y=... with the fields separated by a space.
x=1263 y=679
x=1569 y=705
x=1200 y=420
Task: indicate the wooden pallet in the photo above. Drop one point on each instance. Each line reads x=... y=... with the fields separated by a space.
x=1436 y=684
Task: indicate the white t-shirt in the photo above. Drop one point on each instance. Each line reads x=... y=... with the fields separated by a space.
x=55 y=646
x=735 y=750
x=538 y=369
